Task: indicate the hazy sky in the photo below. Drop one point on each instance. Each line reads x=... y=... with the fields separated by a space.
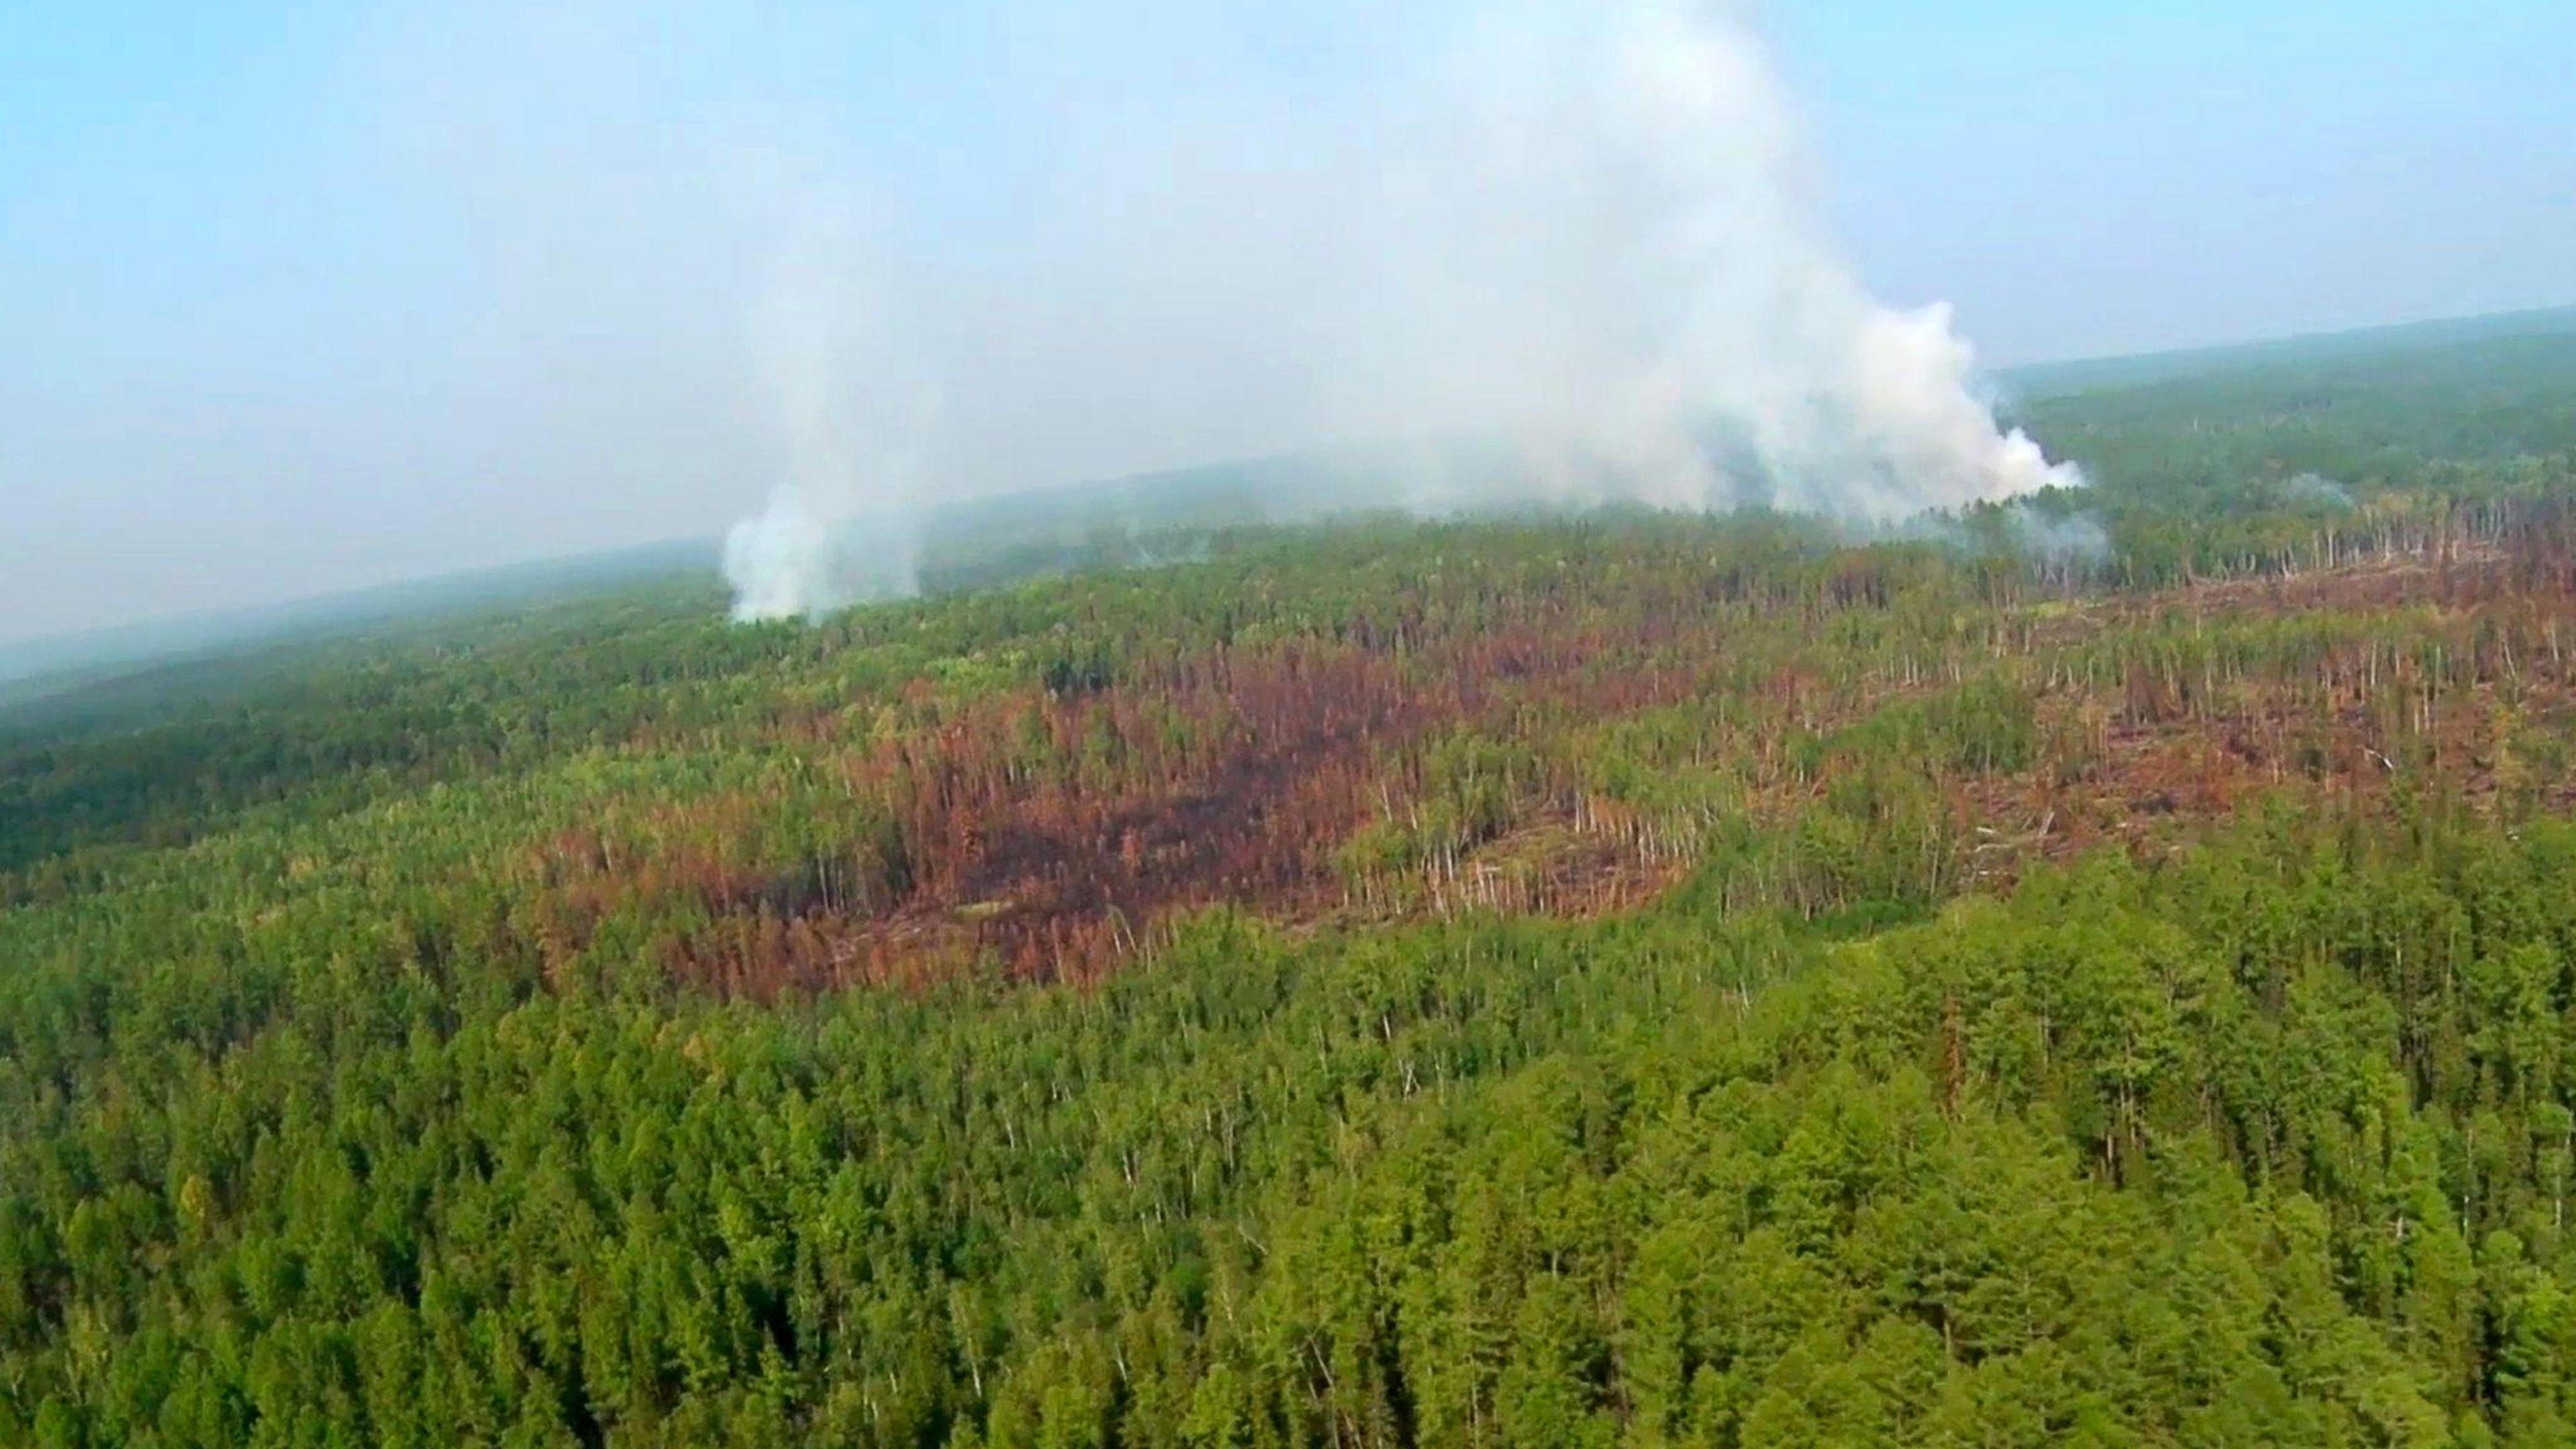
x=295 y=297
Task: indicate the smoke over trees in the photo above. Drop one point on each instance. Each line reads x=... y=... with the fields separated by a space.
x=1583 y=236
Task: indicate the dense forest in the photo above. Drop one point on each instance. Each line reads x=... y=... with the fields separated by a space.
x=2099 y=971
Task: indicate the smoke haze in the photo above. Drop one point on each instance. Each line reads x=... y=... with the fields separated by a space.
x=1585 y=235
x=304 y=298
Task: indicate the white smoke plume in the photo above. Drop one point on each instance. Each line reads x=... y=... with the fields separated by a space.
x=2058 y=546
x=853 y=422
x=1583 y=234
x=2316 y=488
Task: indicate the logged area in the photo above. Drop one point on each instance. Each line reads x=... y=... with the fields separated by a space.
x=2096 y=971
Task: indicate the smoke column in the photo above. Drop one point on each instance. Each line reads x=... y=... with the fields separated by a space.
x=1584 y=235
x=853 y=422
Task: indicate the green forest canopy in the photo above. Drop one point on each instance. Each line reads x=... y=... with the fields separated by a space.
x=1619 y=979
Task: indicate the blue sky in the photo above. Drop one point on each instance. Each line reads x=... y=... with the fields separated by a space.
x=302 y=296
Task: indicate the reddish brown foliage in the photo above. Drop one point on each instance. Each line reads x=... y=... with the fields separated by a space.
x=1051 y=831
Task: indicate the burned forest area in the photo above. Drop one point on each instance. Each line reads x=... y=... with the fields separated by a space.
x=1524 y=758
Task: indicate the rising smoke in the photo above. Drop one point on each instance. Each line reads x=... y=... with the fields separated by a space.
x=854 y=421
x=2316 y=488
x=1583 y=235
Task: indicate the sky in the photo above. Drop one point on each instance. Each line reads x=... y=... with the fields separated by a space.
x=301 y=297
